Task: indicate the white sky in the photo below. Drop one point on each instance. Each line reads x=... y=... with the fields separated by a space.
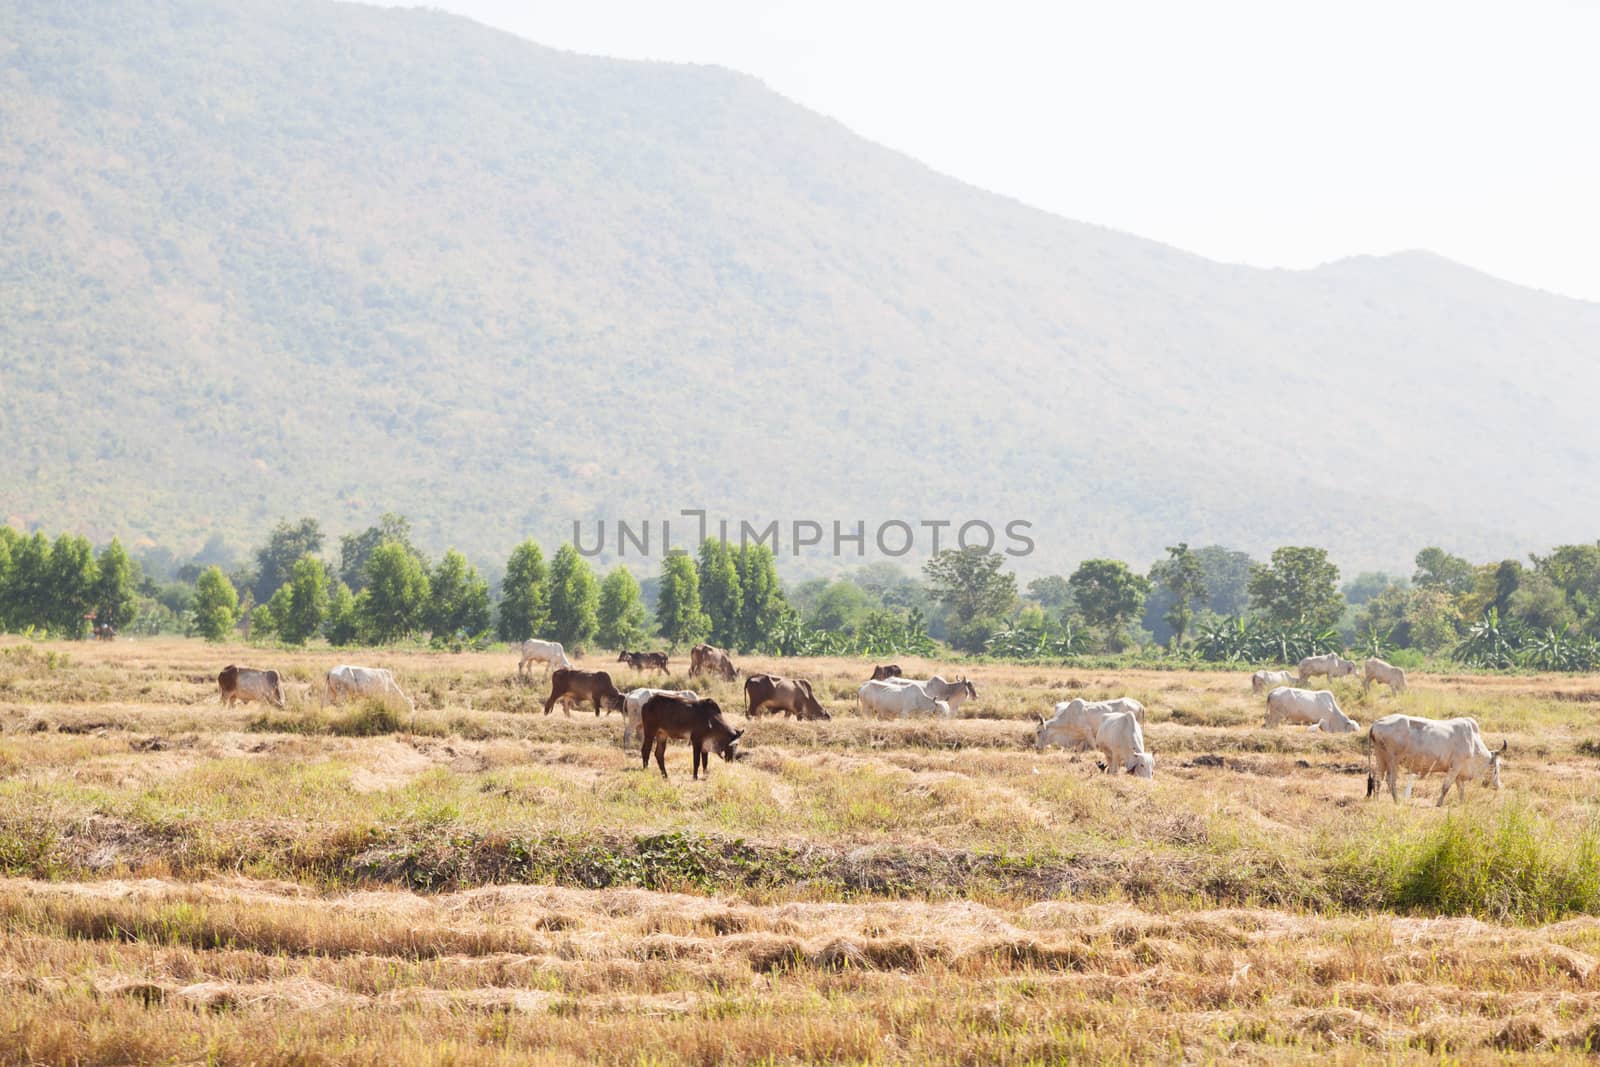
x=1270 y=133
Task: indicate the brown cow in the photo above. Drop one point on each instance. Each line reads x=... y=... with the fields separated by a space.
x=571 y=684
x=707 y=659
x=888 y=670
x=645 y=661
x=241 y=684
x=792 y=696
x=699 y=722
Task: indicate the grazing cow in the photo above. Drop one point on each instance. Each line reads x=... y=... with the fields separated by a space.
x=953 y=693
x=1377 y=670
x=1120 y=740
x=894 y=697
x=1333 y=665
x=1454 y=746
x=1266 y=681
x=345 y=680
x=708 y=659
x=887 y=670
x=548 y=652
x=1302 y=707
x=645 y=661
x=633 y=708
x=1075 y=722
x=242 y=684
x=571 y=685
x=699 y=722
x=792 y=696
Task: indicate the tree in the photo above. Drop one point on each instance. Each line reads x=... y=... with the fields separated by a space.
x=720 y=595
x=458 y=597
x=1299 y=585
x=1540 y=604
x=678 y=614
x=1108 y=595
x=71 y=577
x=524 y=596
x=622 y=615
x=304 y=608
x=343 y=622
x=1575 y=570
x=285 y=545
x=1438 y=569
x=762 y=604
x=395 y=600
x=969 y=583
x=1227 y=577
x=8 y=540
x=839 y=608
x=28 y=596
x=215 y=602
x=356 y=549
x=115 y=593
x=1182 y=577
x=1368 y=584
x=574 y=598
x=1050 y=592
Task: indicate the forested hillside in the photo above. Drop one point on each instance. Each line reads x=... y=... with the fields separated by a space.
x=271 y=259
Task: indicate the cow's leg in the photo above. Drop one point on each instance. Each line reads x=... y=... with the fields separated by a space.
x=549 y=702
x=644 y=752
x=1444 y=794
x=661 y=756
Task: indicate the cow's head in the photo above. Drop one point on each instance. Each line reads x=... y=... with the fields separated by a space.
x=1039 y=732
x=1142 y=765
x=972 y=690
x=1491 y=774
x=615 y=700
x=725 y=745
x=624 y=658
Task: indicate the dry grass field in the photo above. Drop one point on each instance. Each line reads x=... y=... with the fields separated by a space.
x=477 y=883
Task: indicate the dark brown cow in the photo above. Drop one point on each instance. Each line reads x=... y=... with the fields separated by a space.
x=888 y=670
x=708 y=659
x=242 y=684
x=645 y=661
x=792 y=696
x=699 y=722
x=573 y=685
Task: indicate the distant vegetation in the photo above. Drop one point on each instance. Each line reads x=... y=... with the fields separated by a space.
x=1208 y=604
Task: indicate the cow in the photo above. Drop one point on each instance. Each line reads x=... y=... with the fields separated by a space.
x=633 y=708
x=792 y=696
x=887 y=670
x=549 y=652
x=1422 y=746
x=699 y=722
x=571 y=685
x=1318 y=709
x=887 y=698
x=953 y=693
x=1377 y=670
x=242 y=684
x=346 y=680
x=645 y=661
x=1075 y=721
x=1333 y=665
x=1265 y=681
x=1120 y=740
x=708 y=659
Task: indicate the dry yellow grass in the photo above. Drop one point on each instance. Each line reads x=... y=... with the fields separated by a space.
x=486 y=884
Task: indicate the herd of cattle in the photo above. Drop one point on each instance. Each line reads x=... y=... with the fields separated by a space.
x=1112 y=728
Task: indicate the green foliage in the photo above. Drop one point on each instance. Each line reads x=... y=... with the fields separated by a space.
x=880 y=634
x=762 y=602
x=678 y=614
x=344 y=624
x=1183 y=578
x=1438 y=569
x=720 y=595
x=622 y=616
x=970 y=585
x=574 y=599
x=304 y=611
x=114 y=593
x=287 y=543
x=1050 y=592
x=1035 y=637
x=70 y=579
x=356 y=549
x=458 y=597
x=524 y=594
x=1254 y=640
x=1299 y=585
x=215 y=604
x=1491 y=642
x=394 y=604
x=1109 y=596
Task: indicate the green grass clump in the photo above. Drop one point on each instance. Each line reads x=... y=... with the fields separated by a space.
x=1509 y=863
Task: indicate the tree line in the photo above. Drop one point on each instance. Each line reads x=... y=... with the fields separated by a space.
x=1210 y=603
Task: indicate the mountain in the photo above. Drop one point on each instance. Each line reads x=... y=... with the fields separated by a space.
x=269 y=259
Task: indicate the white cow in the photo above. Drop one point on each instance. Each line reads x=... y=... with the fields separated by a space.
x=954 y=693
x=633 y=708
x=1120 y=740
x=884 y=699
x=1377 y=670
x=1303 y=707
x=549 y=652
x=346 y=680
x=1333 y=665
x=1265 y=681
x=1076 y=721
x=1454 y=746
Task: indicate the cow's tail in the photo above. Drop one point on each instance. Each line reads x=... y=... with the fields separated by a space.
x=1372 y=777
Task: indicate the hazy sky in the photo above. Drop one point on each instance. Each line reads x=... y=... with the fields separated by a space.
x=1271 y=133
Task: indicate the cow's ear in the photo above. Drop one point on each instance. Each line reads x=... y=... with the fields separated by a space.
x=736 y=735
